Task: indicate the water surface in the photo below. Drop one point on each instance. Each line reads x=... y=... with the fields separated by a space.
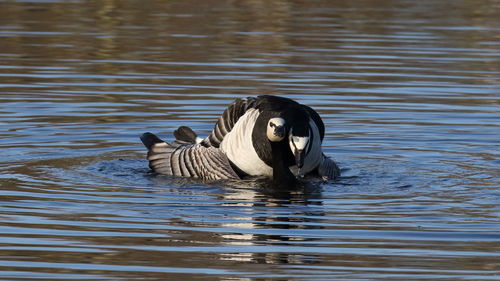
x=409 y=92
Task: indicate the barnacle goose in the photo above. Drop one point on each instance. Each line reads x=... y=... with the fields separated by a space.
x=257 y=136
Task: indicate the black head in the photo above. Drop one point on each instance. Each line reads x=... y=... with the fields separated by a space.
x=282 y=123
x=299 y=136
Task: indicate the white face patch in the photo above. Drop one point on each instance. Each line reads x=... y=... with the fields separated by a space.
x=299 y=143
x=276 y=129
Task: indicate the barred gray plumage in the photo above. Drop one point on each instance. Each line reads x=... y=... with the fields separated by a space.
x=187 y=160
x=228 y=119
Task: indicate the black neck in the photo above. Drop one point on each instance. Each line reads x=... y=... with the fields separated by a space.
x=282 y=176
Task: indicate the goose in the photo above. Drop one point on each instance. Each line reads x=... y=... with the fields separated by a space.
x=267 y=135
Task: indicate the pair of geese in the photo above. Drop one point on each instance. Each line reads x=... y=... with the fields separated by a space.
x=269 y=136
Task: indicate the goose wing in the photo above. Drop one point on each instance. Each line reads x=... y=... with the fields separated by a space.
x=187 y=160
x=317 y=120
x=228 y=119
x=328 y=169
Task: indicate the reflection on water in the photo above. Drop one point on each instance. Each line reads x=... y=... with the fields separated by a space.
x=408 y=90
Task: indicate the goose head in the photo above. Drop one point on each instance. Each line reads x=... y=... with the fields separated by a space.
x=298 y=139
x=276 y=129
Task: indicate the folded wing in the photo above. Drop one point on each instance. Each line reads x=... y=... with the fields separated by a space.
x=328 y=169
x=187 y=160
x=228 y=119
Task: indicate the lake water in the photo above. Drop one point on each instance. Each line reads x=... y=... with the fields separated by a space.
x=409 y=92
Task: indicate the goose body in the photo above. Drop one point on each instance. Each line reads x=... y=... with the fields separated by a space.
x=257 y=136
x=238 y=146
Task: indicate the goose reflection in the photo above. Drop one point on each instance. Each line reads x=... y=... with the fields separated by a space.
x=276 y=219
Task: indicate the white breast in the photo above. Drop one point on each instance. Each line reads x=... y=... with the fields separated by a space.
x=239 y=148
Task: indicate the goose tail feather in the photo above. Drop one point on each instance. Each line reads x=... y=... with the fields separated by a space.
x=185 y=135
x=149 y=139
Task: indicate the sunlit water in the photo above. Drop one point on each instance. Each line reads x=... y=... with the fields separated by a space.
x=409 y=92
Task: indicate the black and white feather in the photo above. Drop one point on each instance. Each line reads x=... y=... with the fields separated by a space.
x=187 y=159
x=258 y=136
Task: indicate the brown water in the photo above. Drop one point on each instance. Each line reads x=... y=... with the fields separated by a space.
x=409 y=91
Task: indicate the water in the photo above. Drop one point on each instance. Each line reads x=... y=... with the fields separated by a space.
x=409 y=92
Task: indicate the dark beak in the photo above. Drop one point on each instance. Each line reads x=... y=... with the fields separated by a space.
x=299 y=160
x=279 y=131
